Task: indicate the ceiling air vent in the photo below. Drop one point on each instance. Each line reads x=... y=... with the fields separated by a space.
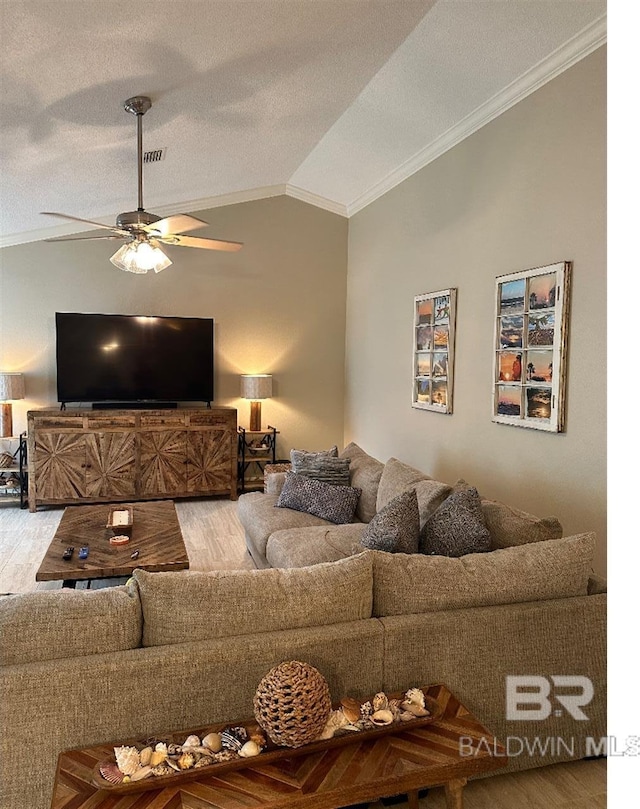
x=154 y=156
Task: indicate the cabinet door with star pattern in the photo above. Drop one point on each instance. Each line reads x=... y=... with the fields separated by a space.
x=60 y=460
x=163 y=462
x=111 y=464
x=209 y=453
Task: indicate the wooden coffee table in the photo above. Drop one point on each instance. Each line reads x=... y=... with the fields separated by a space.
x=334 y=777
x=156 y=534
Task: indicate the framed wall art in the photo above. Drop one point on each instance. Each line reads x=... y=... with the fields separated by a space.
x=529 y=369
x=434 y=320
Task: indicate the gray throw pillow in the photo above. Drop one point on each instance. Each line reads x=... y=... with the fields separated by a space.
x=336 y=504
x=396 y=528
x=296 y=454
x=457 y=527
x=328 y=470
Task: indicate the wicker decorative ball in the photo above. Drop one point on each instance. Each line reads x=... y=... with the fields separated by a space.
x=292 y=703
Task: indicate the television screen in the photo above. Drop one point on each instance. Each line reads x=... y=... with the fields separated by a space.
x=128 y=358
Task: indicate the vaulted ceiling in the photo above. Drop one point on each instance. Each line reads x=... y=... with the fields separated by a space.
x=330 y=101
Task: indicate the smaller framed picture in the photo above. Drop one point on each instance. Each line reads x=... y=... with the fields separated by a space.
x=433 y=348
x=531 y=332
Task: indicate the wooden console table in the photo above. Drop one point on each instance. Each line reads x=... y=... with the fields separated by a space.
x=82 y=455
x=335 y=777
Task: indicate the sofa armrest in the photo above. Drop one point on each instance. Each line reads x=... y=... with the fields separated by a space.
x=273 y=482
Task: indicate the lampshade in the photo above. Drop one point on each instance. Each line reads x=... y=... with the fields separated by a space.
x=140 y=257
x=11 y=387
x=256 y=386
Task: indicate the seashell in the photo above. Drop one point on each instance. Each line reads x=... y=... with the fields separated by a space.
x=366 y=709
x=204 y=761
x=173 y=764
x=259 y=738
x=225 y=755
x=111 y=773
x=142 y=772
x=162 y=769
x=127 y=759
x=336 y=720
x=234 y=738
x=173 y=749
x=249 y=749
x=186 y=761
x=157 y=757
x=191 y=741
x=382 y=717
x=406 y=716
x=351 y=709
x=365 y=724
x=380 y=702
x=213 y=742
x=145 y=756
x=415 y=696
x=414 y=709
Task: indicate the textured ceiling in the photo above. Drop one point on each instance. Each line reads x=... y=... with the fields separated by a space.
x=333 y=101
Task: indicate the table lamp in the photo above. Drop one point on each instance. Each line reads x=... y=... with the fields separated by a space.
x=256 y=387
x=11 y=388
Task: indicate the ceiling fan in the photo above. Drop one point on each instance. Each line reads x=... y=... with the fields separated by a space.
x=143 y=231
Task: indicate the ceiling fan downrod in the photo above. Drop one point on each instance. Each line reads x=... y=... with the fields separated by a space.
x=138 y=105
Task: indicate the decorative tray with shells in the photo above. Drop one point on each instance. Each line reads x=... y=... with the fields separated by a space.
x=154 y=763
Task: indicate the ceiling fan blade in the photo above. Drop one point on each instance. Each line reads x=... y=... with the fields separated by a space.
x=115 y=236
x=195 y=241
x=179 y=223
x=86 y=221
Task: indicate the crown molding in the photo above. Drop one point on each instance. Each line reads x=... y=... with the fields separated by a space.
x=315 y=199
x=582 y=44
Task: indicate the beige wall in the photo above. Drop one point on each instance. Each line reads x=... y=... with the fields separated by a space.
x=526 y=190
x=278 y=304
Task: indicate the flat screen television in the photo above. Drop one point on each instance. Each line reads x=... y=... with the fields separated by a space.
x=126 y=359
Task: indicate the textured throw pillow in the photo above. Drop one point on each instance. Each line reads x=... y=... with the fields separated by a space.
x=336 y=504
x=457 y=527
x=324 y=453
x=396 y=528
x=327 y=469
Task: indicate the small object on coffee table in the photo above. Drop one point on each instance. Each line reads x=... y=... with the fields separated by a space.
x=120 y=539
x=120 y=520
x=68 y=553
x=83 y=552
x=135 y=553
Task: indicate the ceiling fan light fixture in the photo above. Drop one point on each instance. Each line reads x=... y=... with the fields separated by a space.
x=140 y=257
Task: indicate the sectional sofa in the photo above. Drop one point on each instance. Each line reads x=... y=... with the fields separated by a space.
x=171 y=651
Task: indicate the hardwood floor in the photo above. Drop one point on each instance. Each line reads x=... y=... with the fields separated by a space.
x=214 y=539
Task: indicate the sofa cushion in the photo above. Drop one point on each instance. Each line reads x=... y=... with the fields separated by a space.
x=557 y=568
x=365 y=474
x=190 y=606
x=260 y=519
x=397 y=477
x=49 y=625
x=396 y=528
x=457 y=526
x=295 y=548
x=509 y=526
x=328 y=470
x=334 y=503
